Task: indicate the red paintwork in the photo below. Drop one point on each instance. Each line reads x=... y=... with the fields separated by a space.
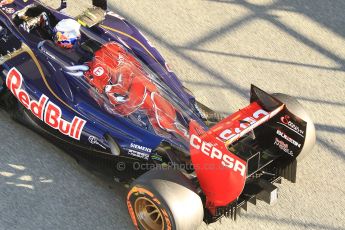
x=117 y=74
x=231 y=129
x=222 y=185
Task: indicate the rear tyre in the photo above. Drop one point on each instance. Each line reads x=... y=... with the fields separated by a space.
x=164 y=199
x=296 y=108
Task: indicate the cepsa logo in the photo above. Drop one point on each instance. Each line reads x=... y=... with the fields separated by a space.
x=44 y=109
x=230 y=133
x=286 y=121
x=211 y=151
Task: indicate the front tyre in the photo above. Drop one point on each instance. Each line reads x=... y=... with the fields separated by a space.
x=164 y=199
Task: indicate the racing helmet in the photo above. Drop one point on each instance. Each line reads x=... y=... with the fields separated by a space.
x=67 y=33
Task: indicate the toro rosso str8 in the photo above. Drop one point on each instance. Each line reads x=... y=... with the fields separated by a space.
x=106 y=94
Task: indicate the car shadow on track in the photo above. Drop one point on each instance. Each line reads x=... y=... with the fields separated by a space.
x=42 y=187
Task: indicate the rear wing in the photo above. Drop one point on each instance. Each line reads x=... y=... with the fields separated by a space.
x=285 y=130
x=242 y=144
x=266 y=117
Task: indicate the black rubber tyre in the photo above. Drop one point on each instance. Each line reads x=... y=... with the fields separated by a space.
x=164 y=199
x=296 y=108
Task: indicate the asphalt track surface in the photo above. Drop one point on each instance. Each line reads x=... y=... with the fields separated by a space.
x=218 y=48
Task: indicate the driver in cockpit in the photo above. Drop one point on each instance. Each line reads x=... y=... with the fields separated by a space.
x=65 y=34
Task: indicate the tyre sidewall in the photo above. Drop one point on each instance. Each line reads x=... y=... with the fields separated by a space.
x=138 y=191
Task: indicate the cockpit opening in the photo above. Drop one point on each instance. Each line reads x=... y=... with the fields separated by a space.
x=36 y=19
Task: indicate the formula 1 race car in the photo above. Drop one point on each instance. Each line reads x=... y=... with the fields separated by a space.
x=96 y=87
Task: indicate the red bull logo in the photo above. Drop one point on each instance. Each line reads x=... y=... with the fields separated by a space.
x=44 y=109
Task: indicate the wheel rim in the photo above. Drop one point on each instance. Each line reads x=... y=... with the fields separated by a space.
x=148 y=214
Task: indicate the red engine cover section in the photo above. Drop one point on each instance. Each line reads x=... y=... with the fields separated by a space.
x=116 y=74
x=222 y=174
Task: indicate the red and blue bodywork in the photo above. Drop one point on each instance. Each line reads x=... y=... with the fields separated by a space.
x=115 y=97
x=40 y=64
